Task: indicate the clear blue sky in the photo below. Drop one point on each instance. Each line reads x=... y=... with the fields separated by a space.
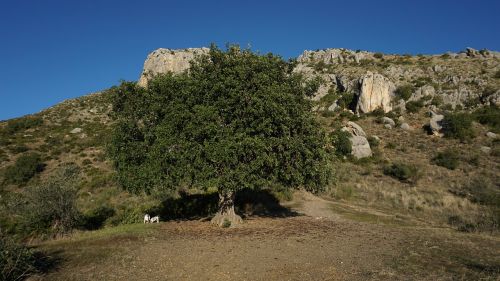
x=54 y=50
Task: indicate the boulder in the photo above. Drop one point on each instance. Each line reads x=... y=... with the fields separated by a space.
x=437 y=68
x=405 y=126
x=388 y=126
x=471 y=52
x=387 y=120
x=375 y=91
x=426 y=90
x=491 y=135
x=435 y=123
x=167 y=60
x=360 y=146
x=333 y=107
x=354 y=129
x=485 y=149
x=76 y=130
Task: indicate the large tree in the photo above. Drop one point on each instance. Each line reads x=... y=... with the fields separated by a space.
x=235 y=120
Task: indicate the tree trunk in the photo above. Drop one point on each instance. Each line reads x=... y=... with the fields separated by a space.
x=226 y=216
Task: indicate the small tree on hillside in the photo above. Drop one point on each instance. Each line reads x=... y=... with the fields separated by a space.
x=236 y=120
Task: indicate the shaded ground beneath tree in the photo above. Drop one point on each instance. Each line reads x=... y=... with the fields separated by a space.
x=329 y=241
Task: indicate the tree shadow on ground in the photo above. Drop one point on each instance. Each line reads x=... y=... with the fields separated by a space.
x=46 y=262
x=248 y=203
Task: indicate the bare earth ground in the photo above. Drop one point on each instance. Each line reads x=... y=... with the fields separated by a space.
x=326 y=241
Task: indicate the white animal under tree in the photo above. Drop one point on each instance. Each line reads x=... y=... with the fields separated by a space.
x=155 y=219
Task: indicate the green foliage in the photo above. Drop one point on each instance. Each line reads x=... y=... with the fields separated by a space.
x=448 y=159
x=391 y=145
x=347 y=101
x=489 y=115
x=3 y=156
x=379 y=112
x=422 y=81
x=414 y=106
x=51 y=205
x=445 y=56
x=25 y=167
x=458 y=125
x=483 y=191
x=378 y=55
x=341 y=142
x=437 y=101
x=19 y=149
x=403 y=172
x=226 y=223
x=23 y=123
x=373 y=141
x=235 y=120
x=16 y=260
x=405 y=91
x=320 y=65
x=96 y=218
x=329 y=98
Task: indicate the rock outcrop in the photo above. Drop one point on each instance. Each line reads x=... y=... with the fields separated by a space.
x=334 y=56
x=435 y=125
x=375 y=92
x=360 y=146
x=167 y=60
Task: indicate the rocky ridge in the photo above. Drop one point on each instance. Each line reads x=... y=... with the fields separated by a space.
x=451 y=80
x=166 y=60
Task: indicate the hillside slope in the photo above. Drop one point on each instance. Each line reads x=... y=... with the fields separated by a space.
x=76 y=131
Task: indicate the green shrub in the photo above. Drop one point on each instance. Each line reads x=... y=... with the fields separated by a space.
x=226 y=223
x=403 y=172
x=51 y=205
x=3 y=156
x=483 y=191
x=437 y=101
x=490 y=116
x=341 y=142
x=347 y=100
x=19 y=149
x=458 y=125
x=327 y=113
x=374 y=142
x=379 y=112
x=329 y=98
x=391 y=145
x=448 y=159
x=405 y=91
x=26 y=166
x=16 y=260
x=414 y=106
x=378 y=55
x=23 y=123
x=320 y=65
x=96 y=218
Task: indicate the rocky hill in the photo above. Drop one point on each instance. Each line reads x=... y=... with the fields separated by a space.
x=382 y=101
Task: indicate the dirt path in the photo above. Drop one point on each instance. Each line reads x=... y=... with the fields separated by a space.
x=318 y=245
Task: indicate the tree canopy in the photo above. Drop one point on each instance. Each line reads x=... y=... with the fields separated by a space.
x=235 y=120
